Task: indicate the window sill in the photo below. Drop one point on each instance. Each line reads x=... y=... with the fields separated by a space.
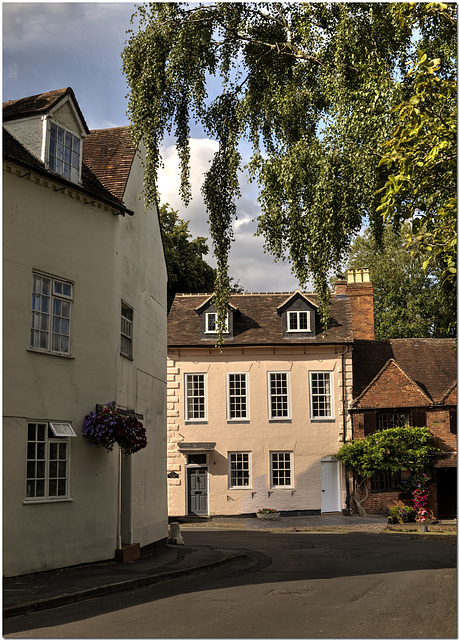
x=242 y=421
x=286 y=488
x=240 y=488
x=46 y=500
x=51 y=353
x=196 y=422
x=323 y=419
x=286 y=420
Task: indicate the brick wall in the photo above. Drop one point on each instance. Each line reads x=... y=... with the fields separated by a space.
x=393 y=389
x=362 y=311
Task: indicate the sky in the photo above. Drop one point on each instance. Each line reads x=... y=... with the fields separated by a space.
x=49 y=46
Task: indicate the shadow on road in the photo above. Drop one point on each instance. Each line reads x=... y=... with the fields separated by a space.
x=279 y=557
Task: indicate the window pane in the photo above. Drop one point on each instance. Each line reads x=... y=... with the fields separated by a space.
x=40 y=469
x=321 y=395
x=239 y=470
x=237 y=395
x=280 y=470
x=293 y=321
x=40 y=488
x=279 y=395
x=195 y=401
x=52 y=487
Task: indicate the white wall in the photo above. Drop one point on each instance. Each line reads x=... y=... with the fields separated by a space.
x=108 y=258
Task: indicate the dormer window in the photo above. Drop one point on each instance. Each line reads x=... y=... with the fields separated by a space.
x=64 y=152
x=298 y=317
x=298 y=321
x=211 y=323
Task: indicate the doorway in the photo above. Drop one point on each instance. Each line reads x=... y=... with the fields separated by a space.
x=197 y=491
x=446 y=492
x=330 y=485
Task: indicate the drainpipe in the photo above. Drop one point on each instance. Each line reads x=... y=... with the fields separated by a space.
x=118 y=536
x=346 y=472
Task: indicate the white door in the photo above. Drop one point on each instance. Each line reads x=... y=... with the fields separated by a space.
x=330 y=486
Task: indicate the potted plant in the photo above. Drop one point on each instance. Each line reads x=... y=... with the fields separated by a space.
x=268 y=514
x=107 y=426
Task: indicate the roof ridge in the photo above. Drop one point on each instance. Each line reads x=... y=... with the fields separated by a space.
x=251 y=293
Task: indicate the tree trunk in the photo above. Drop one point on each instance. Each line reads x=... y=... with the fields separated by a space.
x=361 y=493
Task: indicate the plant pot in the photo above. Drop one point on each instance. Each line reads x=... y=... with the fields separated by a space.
x=268 y=516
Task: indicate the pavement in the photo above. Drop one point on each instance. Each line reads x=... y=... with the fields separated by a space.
x=39 y=591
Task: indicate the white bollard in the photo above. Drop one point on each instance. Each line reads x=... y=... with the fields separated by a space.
x=175 y=537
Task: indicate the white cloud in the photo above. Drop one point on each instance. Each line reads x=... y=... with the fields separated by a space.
x=255 y=269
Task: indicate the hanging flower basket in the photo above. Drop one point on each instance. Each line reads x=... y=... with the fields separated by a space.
x=107 y=427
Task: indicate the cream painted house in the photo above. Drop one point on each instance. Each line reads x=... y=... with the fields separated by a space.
x=255 y=424
x=84 y=323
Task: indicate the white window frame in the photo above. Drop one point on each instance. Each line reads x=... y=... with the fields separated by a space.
x=43 y=457
x=273 y=485
x=73 y=162
x=189 y=418
x=229 y=396
x=270 y=395
x=296 y=314
x=44 y=320
x=312 y=396
x=214 y=315
x=241 y=461
x=127 y=325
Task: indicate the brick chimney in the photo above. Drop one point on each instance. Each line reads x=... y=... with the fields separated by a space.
x=359 y=290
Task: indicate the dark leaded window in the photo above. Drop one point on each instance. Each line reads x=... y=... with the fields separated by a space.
x=385 y=481
x=390 y=420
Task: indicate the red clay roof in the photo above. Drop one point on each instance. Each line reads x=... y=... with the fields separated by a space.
x=430 y=362
x=109 y=153
x=256 y=322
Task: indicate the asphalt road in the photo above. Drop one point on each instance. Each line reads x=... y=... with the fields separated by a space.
x=304 y=585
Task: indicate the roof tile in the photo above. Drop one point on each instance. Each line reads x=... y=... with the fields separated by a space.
x=430 y=362
x=256 y=322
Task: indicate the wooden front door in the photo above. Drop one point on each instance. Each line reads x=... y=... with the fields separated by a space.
x=197 y=491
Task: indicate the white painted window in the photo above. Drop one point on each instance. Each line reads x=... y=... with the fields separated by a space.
x=51 y=314
x=279 y=401
x=298 y=321
x=237 y=386
x=195 y=400
x=239 y=469
x=321 y=395
x=127 y=318
x=211 y=323
x=48 y=460
x=281 y=470
x=64 y=152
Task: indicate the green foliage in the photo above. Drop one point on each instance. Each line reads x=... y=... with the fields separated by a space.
x=408 y=301
x=399 y=448
x=311 y=86
x=187 y=270
x=421 y=154
x=401 y=514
